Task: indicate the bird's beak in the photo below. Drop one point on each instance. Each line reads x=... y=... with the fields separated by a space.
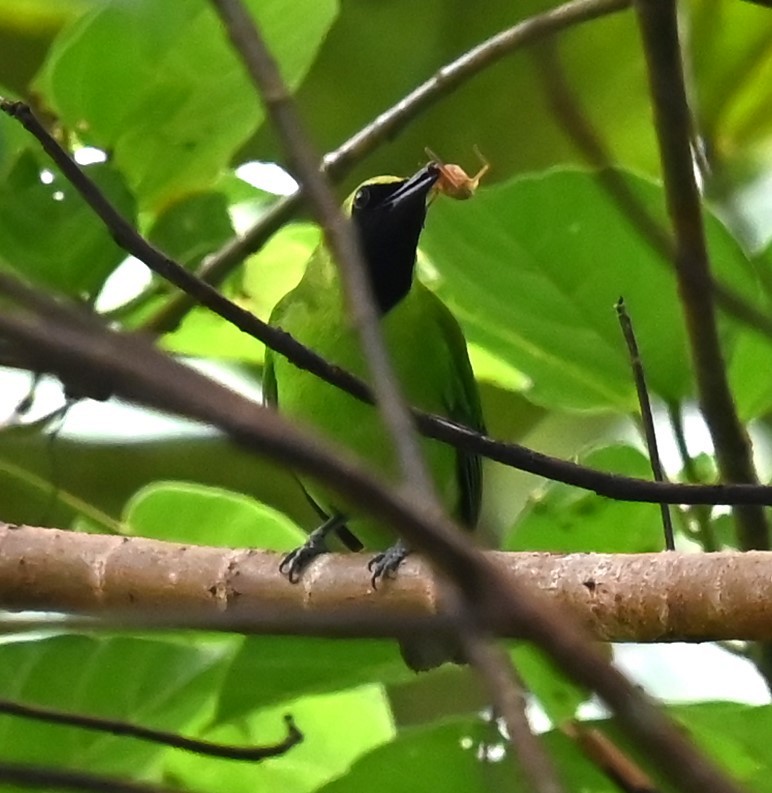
x=417 y=187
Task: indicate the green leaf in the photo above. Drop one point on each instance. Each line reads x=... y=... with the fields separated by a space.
x=192 y=513
x=533 y=268
x=566 y=519
x=100 y=475
x=13 y=140
x=337 y=729
x=732 y=734
x=153 y=683
x=289 y=667
x=465 y=755
x=193 y=227
x=179 y=103
x=278 y=266
x=50 y=236
x=559 y=697
x=731 y=65
x=503 y=109
x=267 y=277
x=751 y=388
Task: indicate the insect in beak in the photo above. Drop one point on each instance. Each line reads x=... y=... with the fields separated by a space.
x=454 y=181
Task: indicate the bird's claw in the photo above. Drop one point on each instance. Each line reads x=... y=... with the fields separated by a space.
x=386 y=563
x=293 y=564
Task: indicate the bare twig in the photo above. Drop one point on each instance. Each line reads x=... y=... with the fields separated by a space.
x=659 y=31
x=506 y=692
x=35 y=776
x=139 y=372
x=647 y=419
x=385 y=127
x=432 y=426
x=340 y=239
x=579 y=128
x=117 y=727
x=609 y=758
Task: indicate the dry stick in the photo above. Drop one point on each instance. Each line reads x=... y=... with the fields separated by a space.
x=659 y=32
x=142 y=374
x=340 y=238
x=124 y=728
x=386 y=127
x=506 y=691
x=432 y=426
x=35 y=776
x=578 y=127
x=609 y=758
x=647 y=419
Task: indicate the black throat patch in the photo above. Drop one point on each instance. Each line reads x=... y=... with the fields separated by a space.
x=388 y=233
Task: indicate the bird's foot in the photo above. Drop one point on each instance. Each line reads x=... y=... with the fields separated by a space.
x=386 y=563
x=293 y=564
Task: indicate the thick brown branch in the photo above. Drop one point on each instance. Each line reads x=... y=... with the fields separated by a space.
x=659 y=31
x=617 y=597
x=71 y=346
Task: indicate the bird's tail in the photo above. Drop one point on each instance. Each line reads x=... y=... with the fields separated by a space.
x=422 y=653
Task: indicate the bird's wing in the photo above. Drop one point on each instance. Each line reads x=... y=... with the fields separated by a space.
x=271 y=397
x=463 y=406
x=270 y=389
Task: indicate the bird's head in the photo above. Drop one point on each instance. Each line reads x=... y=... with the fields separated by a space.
x=388 y=213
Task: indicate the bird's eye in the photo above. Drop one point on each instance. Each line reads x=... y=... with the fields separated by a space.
x=362 y=198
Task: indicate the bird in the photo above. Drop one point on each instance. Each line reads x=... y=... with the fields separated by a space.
x=429 y=356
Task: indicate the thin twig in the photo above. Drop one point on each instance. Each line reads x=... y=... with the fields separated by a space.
x=659 y=31
x=139 y=372
x=36 y=776
x=609 y=758
x=340 y=239
x=506 y=692
x=647 y=418
x=385 y=127
x=579 y=128
x=124 y=728
x=432 y=426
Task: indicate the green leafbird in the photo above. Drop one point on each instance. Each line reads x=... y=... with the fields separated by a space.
x=430 y=359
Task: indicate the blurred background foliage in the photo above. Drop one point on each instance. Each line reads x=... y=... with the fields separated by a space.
x=150 y=95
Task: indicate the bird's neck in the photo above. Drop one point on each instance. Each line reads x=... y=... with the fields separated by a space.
x=390 y=279
x=391 y=262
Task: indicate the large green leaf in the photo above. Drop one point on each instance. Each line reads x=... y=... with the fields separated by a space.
x=292 y=666
x=158 y=85
x=338 y=728
x=533 y=268
x=148 y=682
x=46 y=481
x=729 y=47
x=266 y=277
x=565 y=519
x=462 y=756
x=47 y=232
x=188 y=512
x=374 y=56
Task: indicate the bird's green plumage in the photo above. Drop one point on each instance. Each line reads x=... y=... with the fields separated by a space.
x=426 y=346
